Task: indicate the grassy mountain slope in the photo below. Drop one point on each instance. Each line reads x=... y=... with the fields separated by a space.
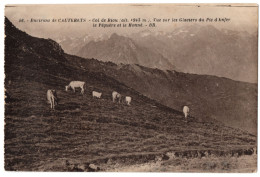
x=83 y=130
x=209 y=97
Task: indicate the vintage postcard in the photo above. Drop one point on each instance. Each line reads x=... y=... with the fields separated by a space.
x=131 y=87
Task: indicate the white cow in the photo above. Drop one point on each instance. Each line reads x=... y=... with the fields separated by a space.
x=96 y=94
x=52 y=98
x=128 y=100
x=186 y=111
x=115 y=96
x=76 y=84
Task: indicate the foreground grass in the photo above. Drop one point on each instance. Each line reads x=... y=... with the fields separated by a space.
x=242 y=164
x=83 y=130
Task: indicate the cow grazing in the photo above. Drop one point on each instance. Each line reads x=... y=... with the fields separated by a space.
x=186 y=111
x=128 y=100
x=52 y=98
x=76 y=84
x=116 y=96
x=96 y=94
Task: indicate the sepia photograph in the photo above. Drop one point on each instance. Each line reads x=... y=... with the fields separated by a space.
x=131 y=88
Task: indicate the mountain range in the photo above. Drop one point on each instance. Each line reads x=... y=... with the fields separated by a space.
x=191 y=49
x=120 y=49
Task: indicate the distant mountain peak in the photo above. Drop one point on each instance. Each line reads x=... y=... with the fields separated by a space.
x=121 y=49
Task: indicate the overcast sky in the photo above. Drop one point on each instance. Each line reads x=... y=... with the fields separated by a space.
x=242 y=18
